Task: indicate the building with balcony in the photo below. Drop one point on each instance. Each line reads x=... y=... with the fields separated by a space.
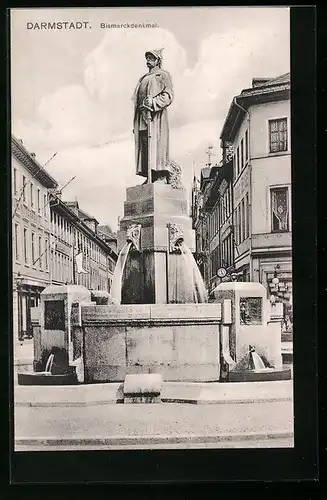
x=258 y=126
x=31 y=185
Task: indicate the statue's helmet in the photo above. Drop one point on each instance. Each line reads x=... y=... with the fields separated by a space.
x=157 y=53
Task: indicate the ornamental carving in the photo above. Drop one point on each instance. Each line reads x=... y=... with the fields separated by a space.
x=133 y=235
x=175 y=175
x=176 y=236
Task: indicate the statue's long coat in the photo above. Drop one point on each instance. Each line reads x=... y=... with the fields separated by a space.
x=156 y=84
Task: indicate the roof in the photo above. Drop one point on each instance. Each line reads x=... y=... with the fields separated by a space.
x=81 y=213
x=106 y=231
x=28 y=160
x=285 y=78
x=222 y=174
x=273 y=89
x=67 y=210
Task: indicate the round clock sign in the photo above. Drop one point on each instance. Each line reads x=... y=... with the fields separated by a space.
x=221 y=273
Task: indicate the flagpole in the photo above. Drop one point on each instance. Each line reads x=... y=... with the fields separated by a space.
x=74 y=270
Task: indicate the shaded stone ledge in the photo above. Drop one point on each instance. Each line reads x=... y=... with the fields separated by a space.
x=90 y=322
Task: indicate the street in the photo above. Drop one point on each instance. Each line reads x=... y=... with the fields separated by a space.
x=147 y=425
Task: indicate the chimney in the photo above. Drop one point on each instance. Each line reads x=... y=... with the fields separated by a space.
x=33 y=155
x=256 y=82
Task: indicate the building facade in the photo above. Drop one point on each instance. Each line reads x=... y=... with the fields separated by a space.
x=53 y=242
x=31 y=186
x=77 y=252
x=241 y=208
x=213 y=221
x=221 y=229
x=258 y=126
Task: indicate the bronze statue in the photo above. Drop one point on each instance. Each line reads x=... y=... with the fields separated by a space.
x=152 y=96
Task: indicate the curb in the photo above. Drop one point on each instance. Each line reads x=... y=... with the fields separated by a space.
x=84 y=404
x=224 y=401
x=152 y=440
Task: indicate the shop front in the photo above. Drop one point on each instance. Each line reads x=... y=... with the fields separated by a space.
x=28 y=300
x=277 y=278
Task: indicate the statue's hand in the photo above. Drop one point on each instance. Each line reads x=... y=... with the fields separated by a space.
x=148 y=102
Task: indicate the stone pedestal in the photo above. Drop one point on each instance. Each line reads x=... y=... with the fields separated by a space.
x=250 y=315
x=246 y=327
x=153 y=207
x=55 y=321
x=143 y=388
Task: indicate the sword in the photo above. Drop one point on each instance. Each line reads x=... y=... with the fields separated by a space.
x=149 y=124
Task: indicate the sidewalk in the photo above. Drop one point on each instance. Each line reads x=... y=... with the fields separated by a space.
x=172 y=392
x=134 y=425
x=24 y=352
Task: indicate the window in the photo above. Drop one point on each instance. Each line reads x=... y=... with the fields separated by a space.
x=40 y=252
x=239 y=223
x=242 y=154
x=237 y=161
x=229 y=201
x=24 y=190
x=32 y=195
x=246 y=145
x=278 y=135
x=16 y=242
x=234 y=166
x=229 y=250
x=15 y=180
x=33 y=248
x=45 y=205
x=38 y=202
x=46 y=254
x=243 y=219
x=247 y=227
x=279 y=209
x=25 y=246
x=237 y=228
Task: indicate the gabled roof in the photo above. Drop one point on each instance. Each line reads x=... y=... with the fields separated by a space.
x=270 y=90
x=27 y=159
x=81 y=213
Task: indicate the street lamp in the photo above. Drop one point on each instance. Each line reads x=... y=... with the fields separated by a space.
x=275 y=282
x=275 y=279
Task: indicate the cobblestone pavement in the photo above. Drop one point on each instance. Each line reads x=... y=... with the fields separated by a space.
x=157 y=420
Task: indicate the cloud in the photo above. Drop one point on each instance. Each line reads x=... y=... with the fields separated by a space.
x=101 y=110
x=90 y=123
x=102 y=174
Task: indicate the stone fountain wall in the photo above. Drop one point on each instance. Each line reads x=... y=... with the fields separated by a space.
x=181 y=342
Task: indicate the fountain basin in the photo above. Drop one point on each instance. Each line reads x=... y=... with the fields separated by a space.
x=43 y=378
x=263 y=375
x=177 y=341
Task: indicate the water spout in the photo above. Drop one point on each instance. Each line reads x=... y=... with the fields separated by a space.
x=116 y=288
x=48 y=366
x=191 y=268
x=257 y=361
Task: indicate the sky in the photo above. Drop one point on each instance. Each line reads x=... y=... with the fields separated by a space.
x=71 y=90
